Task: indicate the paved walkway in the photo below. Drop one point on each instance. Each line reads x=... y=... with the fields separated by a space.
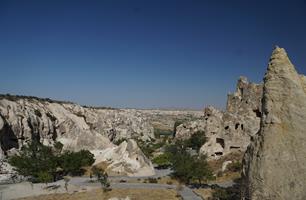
x=186 y=193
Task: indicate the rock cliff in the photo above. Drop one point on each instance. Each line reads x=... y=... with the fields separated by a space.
x=230 y=130
x=23 y=119
x=274 y=164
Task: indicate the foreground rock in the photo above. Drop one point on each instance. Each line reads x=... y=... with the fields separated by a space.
x=125 y=159
x=274 y=164
x=230 y=131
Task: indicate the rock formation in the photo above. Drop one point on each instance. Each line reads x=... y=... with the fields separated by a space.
x=228 y=131
x=125 y=159
x=274 y=164
x=26 y=118
x=23 y=119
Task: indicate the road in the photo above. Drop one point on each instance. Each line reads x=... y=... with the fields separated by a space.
x=24 y=189
x=185 y=192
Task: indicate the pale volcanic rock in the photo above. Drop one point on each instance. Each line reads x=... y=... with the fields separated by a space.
x=274 y=164
x=230 y=130
x=125 y=159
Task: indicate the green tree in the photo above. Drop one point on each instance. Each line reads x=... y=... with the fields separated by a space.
x=41 y=162
x=201 y=170
x=196 y=140
x=102 y=177
x=44 y=177
x=187 y=167
x=73 y=162
x=162 y=160
x=34 y=160
x=181 y=161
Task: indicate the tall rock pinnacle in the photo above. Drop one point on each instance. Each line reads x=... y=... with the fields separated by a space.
x=275 y=162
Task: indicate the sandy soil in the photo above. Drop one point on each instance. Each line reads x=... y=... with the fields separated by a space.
x=98 y=194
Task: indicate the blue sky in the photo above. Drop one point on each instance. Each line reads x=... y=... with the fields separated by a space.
x=143 y=54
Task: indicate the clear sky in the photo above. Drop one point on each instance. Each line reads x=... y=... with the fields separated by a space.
x=143 y=54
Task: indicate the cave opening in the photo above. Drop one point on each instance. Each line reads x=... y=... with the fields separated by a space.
x=8 y=139
x=257 y=112
x=237 y=125
x=221 y=142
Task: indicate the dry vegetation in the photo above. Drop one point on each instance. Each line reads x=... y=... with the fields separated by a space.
x=134 y=194
x=216 y=165
x=205 y=193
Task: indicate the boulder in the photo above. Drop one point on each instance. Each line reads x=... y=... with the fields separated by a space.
x=125 y=159
x=274 y=164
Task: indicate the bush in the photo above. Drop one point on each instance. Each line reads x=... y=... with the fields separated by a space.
x=152 y=180
x=146 y=148
x=73 y=162
x=102 y=177
x=41 y=162
x=196 y=140
x=169 y=182
x=44 y=177
x=158 y=132
x=235 y=167
x=35 y=160
x=231 y=193
x=163 y=161
x=187 y=167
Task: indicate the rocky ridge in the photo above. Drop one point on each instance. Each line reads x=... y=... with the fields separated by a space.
x=274 y=164
x=230 y=130
x=23 y=119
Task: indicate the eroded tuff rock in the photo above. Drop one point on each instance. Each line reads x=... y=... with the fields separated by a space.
x=228 y=131
x=125 y=159
x=27 y=118
x=274 y=164
x=23 y=119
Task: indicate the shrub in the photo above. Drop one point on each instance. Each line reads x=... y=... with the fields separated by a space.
x=231 y=193
x=235 y=167
x=158 y=132
x=34 y=160
x=196 y=140
x=73 y=162
x=187 y=167
x=41 y=162
x=152 y=180
x=102 y=177
x=169 y=182
x=44 y=177
x=162 y=160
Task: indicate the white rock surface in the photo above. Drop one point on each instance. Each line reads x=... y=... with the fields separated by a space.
x=23 y=119
x=125 y=159
x=116 y=198
x=225 y=164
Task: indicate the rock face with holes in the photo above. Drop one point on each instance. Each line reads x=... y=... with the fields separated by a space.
x=125 y=159
x=25 y=119
x=228 y=131
x=274 y=164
